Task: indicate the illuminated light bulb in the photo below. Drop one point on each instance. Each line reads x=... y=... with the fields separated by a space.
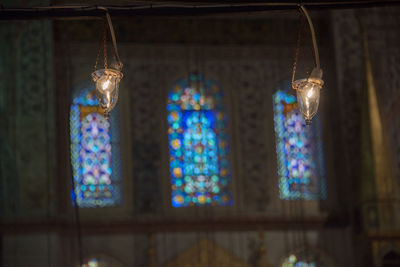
x=308 y=94
x=107 y=88
x=106 y=84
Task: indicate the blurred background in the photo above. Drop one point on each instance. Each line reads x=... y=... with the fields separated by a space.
x=206 y=160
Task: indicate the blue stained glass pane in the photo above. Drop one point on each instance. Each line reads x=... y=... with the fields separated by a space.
x=299 y=151
x=198 y=145
x=94 y=154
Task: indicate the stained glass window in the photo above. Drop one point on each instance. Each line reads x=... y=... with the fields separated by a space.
x=94 y=153
x=293 y=261
x=299 y=151
x=307 y=258
x=198 y=143
x=101 y=261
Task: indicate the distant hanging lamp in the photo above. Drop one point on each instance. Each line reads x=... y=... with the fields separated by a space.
x=308 y=88
x=107 y=80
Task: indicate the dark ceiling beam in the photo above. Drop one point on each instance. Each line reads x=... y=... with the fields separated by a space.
x=269 y=2
x=182 y=225
x=179 y=9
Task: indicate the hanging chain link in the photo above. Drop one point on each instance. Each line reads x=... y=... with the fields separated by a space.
x=104 y=49
x=300 y=23
x=97 y=57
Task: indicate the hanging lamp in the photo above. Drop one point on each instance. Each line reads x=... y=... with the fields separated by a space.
x=107 y=80
x=308 y=89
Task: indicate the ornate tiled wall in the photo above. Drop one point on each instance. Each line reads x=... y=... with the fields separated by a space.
x=248 y=74
x=379 y=212
x=382 y=28
x=28 y=112
x=248 y=83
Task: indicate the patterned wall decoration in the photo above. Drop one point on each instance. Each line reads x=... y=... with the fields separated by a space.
x=250 y=89
x=198 y=143
x=394 y=132
x=8 y=172
x=95 y=153
x=8 y=167
x=146 y=100
x=350 y=85
x=193 y=31
x=391 y=101
x=299 y=150
x=35 y=113
x=382 y=28
x=241 y=72
x=146 y=123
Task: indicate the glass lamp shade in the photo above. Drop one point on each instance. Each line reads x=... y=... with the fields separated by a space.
x=107 y=87
x=308 y=94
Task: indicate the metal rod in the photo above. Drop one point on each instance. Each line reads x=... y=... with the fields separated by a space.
x=314 y=40
x=114 y=40
x=183 y=9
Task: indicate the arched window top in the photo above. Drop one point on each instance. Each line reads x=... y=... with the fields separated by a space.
x=86 y=97
x=94 y=153
x=299 y=149
x=198 y=143
x=195 y=93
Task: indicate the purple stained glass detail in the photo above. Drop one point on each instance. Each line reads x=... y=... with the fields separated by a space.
x=299 y=151
x=94 y=154
x=198 y=144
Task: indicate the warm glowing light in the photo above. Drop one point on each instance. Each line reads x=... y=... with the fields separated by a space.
x=308 y=89
x=107 y=79
x=106 y=84
x=107 y=87
x=308 y=94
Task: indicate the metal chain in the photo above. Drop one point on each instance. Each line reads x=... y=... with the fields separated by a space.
x=97 y=57
x=297 y=47
x=98 y=50
x=105 y=47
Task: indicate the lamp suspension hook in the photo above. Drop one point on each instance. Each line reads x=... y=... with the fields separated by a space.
x=107 y=80
x=307 y=89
